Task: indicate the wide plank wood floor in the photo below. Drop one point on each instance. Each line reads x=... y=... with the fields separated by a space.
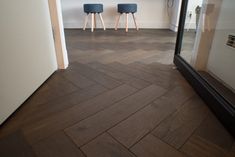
x=120 y=97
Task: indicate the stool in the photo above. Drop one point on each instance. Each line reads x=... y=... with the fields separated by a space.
x=93 y=9
x=127 y=8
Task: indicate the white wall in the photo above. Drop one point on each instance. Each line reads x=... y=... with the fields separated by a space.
x=151 y=13
x=175 y=14
x=27 y=55
x=222 y=58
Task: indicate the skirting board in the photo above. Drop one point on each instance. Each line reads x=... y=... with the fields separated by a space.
x=146 y=25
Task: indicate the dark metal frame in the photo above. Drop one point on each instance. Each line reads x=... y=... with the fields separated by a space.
x=222 y=108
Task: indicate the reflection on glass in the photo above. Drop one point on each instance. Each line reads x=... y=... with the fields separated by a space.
x=210 y=46
x=191 y=25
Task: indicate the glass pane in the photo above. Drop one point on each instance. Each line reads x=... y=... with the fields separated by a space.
x=211 y=50
x=219 y=69
x=190 y=31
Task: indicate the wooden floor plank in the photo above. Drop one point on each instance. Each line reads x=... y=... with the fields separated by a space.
x=112 y=57
x=150 y=146
x=105 y=146
x=91 y=56
x=63 y=103
x=46 y=127
x=213 y=131
x=231 y=153
x=125 y=78
x=160 y=80
x=15 y=145
x=197 y=146
x=176 y=129
x=91 y=127
x=165 y=72
x=96 y=76
x=56 y=86
x=136 y=55
x=53 y=89
x=134 y=128
x=58 y=145
x=166 y=69
x=77 y=79
x=113 y=106
x=139 y=74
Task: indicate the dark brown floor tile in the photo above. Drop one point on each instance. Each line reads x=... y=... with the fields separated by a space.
x=160 y=80
x=177 y=128
x=53 y=88
x=176 y=96
x=15 y=145
x=168 y=73
x=137 y=126
x=83 y=94
x=46 y=127
x=150 y=146
x=214 y=132
x=136 y=55
x=105 y=146
x=136 y=73
x=95 y=75
x=231 y=153
x=77 y=79
x=91 y=127
x=152 y=59
x=134 y=128
x=120 y=76
x=43 y=111
x=197 y=146
x=57 y=146
x=94 y=56
x=165 y=69
x=112 y=57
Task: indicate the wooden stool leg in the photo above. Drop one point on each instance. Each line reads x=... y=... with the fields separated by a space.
x=117 y=21
x=135 y=21
x=86 y=21
x=127 y=22
x=102 y=21
x=95 y=20
x=92 y=22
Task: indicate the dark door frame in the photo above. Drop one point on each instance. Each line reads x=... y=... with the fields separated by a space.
x=221 y=107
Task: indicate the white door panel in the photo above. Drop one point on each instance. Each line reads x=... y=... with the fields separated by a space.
x=27 y=54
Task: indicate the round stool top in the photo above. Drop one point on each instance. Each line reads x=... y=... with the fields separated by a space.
x=93 y=8
x=127 y=8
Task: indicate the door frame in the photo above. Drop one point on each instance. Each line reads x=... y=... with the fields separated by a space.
x=58 y=33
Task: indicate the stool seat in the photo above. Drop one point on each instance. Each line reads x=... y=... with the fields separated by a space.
x=127 y=8
x=93 y=8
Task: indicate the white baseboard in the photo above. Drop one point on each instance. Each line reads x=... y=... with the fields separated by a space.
x=144 y=24
x=174 y=28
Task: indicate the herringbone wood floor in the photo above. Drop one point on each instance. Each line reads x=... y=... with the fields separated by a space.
x=120 y=97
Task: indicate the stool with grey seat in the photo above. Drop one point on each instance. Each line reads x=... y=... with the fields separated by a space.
x=127 y=8
x=93 y=9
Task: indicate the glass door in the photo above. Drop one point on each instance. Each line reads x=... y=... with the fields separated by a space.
x=205 y=53
x=208 y=42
